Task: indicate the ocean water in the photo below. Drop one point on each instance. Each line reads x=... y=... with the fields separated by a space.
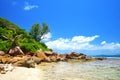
x=108 y=69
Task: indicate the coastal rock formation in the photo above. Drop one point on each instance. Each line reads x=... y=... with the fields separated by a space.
x=17 y=58
x=30 y=53
x=53 y=56
x=42 y=56
x=75 y=55
x=36 y=60
x=25 y=62
x=62 y=57
x=5 y=58
x=2 y=53
x=15 y=51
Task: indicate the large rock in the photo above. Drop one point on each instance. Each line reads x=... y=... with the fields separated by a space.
x=52 y=55
x=62 y=57
x=42 y=55
x=15 y=59
x=49 y=53
x=2 y=53
x=36 y=60
x=30 y=53
x=15 y=51
x=82 y=56
x=68 y=56
x=75 y=55
x=29 y=62
x=25 y=62
x=5 y=58
x=53 y=58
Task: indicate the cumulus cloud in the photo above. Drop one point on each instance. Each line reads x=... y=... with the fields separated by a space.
x=83 y=39
x=77 y=42
x=47 y=36
x=103 y=42
x=29 y=7
x=81 y=43
x=109 y=46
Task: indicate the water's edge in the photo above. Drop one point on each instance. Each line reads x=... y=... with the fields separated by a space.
x=108 y=69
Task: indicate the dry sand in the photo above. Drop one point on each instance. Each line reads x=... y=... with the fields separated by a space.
x=22 y=73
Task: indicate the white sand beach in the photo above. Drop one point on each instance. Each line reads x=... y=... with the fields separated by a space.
x=22 y=73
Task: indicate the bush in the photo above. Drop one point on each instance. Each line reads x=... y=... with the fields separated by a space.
x=32 y=45
x=4 y=45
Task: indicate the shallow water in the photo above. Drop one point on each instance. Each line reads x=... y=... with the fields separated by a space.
x=97 y=70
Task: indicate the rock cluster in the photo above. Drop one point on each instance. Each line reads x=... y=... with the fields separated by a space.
x=31 y=59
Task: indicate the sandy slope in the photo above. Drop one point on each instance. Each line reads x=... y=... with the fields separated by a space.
x=22 y=73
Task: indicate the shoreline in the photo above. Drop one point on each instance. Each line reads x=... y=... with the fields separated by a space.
x=61 y=71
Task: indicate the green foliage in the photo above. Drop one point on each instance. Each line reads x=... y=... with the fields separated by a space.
x=4 y=45
x=7 y=24
x=37 y=32
x=12 y=35
x=32 y=45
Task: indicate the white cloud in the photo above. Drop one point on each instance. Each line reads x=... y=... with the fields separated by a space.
x=83 y=39
x=29 y=7
x=103 y=42
x=77 y=42
x=81 y=43
x=47 y=36
x=109 y=46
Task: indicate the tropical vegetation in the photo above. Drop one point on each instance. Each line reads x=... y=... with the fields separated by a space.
x=12 y=35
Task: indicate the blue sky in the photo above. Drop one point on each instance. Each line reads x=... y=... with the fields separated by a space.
x=88 y=26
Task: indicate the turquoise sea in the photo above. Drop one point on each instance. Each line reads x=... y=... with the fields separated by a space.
x=108 y=69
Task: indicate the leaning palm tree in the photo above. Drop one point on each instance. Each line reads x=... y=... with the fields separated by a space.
x=14 y=49
x=12 y=37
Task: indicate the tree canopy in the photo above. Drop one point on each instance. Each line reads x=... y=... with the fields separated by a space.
x=37 y=31
x=12 y=35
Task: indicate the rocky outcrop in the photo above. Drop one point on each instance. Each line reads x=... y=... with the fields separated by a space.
x=17 y=58
x=25 y=62
x=40 y=54
x=75 y=55
x=62 y=57
x=36 y=60
x=30 y=53
x=53 y=56
x=2 y=53
x=15 y=51
x=5 y=58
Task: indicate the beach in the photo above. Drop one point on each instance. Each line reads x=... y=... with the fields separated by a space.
x=108 y=69
x=22 y=73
